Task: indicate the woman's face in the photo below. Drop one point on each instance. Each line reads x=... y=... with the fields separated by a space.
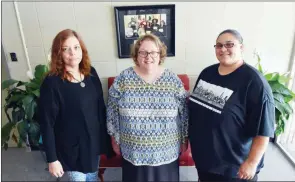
x=228 y=49
x=148 y=55
x=71 y=52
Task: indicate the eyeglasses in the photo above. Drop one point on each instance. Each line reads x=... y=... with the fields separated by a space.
x=226 y=45
x=145 y=54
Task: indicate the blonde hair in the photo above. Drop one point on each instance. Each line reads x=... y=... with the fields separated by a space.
x=162 y=47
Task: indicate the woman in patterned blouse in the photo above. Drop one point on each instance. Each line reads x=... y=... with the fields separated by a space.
x=147 y=115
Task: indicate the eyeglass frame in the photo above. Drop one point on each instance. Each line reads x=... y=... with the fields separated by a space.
x=224 y=45
x=147 y=54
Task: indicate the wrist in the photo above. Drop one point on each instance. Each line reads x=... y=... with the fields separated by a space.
x=252 y=162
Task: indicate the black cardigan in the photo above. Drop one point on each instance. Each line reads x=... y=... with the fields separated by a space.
x=73 y=122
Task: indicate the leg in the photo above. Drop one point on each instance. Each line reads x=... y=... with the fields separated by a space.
x=206 y=176
x=76 y=176
x=131 y=173
x=166 y=172
x=92 y=176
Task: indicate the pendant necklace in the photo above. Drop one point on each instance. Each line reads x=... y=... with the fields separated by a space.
x=82 y=84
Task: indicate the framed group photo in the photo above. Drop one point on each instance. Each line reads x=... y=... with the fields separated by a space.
x=135 y=21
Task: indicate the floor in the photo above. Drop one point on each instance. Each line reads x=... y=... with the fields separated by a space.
x=19 y=165
x=290 y=148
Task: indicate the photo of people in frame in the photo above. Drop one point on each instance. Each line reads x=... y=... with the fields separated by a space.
x=139 y=25
x=135 y=21
x=131 y=26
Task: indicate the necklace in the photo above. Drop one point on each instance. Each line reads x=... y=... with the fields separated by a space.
x=82 y=84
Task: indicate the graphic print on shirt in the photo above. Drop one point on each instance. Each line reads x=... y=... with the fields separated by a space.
x=211 y=94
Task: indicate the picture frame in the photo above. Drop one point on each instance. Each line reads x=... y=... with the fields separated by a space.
x=135 y=21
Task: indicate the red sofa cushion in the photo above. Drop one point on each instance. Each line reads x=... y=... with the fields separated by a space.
x=185 y=158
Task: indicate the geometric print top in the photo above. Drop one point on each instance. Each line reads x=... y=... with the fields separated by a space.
x=148 y=120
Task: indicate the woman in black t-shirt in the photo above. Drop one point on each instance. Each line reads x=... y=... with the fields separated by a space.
x=231 y=115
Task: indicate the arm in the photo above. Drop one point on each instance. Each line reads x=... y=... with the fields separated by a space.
x=258 y=148
x=248 y=168
x=105 y=140
x=182 y=96
x=48 y=109
x=113 y=125
x=260 y=126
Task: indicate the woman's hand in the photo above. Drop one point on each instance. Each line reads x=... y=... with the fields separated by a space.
x=56 y=169
x=247 y=170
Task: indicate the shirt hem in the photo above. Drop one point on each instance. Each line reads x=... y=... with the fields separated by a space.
x=147 y=164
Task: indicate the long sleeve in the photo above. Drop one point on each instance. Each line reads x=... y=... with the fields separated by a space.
x=48 y=109
x=182 y=96
x=113 y=124
x=105 y=140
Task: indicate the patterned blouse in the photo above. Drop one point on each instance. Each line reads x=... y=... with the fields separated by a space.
x=148 y=121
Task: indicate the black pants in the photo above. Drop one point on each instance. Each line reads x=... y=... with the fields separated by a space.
x=205 y=176
x=166 y=172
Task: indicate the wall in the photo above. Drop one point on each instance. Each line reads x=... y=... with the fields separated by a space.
x=268 y=27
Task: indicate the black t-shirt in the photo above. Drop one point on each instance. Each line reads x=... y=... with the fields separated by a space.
x=225 y=113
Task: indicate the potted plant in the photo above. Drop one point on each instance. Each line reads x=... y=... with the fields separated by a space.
x=282 y=96
x=21 y=109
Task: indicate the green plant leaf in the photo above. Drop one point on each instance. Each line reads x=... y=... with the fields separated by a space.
x=15 y=98
x=280 y=125
x=287 y=116
x=27 y=100
x=32 y=86
x=34 y=132
x=30 y=106
x=5 y=132
x=40 y=71
x=288 y=98
x=7 y=83
x=20 y=142
x=284 y=108
x=279 y=88
x=260 y=68
x=279 y=97
x=283 y=79
x=21 y=83
x=22 y=128
x=18 y=114
x=36 y=93
x=272 y=76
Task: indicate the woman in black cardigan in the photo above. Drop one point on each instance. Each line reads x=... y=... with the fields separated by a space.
x=72 y=111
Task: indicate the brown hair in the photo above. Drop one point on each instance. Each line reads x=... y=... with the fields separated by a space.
x=162 y=47
x=57 y=66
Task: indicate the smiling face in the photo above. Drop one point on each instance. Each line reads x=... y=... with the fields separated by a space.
x=228 y=49
x=71 y=52
x=148 y=55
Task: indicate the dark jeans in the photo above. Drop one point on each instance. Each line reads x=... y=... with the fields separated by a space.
x=205 y=176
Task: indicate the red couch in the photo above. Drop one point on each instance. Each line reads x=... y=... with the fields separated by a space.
x=184 y=160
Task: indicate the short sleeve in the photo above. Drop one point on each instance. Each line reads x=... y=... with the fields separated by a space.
x=260 y=118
